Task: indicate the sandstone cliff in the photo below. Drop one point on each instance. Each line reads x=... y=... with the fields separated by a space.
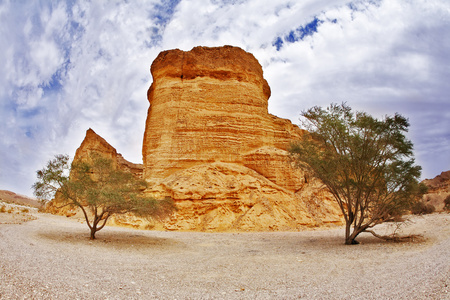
x=212 y=146
x=93 y=143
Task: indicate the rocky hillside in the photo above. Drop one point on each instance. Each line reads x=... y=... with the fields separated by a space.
x=438 y=190
x=13 y=198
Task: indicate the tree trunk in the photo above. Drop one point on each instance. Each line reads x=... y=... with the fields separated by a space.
x=348 y=225
x=350 y=238
x=94 y=227
x=351 y=241
x=92 y=237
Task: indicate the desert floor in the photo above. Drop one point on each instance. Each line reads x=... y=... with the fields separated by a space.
x=51 y=257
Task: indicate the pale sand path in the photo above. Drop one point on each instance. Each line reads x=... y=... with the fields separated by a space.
x=52 y=258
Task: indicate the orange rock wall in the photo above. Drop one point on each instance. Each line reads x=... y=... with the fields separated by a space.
x=207 y=105
x=212 y=146
x=93 y=143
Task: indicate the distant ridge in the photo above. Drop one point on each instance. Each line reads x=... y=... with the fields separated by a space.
x=11 y=197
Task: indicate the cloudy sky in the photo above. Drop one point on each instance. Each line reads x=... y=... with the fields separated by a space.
x=67 y=66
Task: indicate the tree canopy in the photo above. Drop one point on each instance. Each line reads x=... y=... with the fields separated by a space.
x=99 y=189
x=367 y=164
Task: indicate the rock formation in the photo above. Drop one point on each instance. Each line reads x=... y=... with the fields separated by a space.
x=93 y=143
x=212 y=146
x=438 y=190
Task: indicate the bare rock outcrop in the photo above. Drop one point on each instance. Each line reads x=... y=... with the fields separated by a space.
x=212 y=146
x=93 y=143
x=438 y=190
x=225 y=196
x=207 y=105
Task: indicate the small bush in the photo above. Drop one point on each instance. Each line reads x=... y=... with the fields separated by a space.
x=10 y=211
x=447 y=203
x=421 y=208
x=25 y=210
x=2 y=209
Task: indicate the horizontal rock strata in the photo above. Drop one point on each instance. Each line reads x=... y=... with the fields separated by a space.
x=93 y=143
x=212 y=146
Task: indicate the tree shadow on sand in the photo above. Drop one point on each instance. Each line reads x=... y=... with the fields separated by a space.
x=112 y=238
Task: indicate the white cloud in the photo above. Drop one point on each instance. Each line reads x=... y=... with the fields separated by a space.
x=82 y=64
x=382 y=59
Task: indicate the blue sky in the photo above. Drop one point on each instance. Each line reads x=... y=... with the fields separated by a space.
x=72 y=65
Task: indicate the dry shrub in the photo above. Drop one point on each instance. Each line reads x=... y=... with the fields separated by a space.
x=2 y=209
x=422 y=208
x=447 y=203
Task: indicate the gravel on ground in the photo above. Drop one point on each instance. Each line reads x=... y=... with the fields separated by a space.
x=52 y=257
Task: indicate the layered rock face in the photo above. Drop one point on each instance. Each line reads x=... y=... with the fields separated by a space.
x=212 y=146
x=93 y=143
x=208 y=105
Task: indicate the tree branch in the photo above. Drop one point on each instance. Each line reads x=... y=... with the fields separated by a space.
x=395 y=238
x=86 y=216
x=104 y=221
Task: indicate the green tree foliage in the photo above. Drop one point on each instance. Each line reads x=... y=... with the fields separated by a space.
x=366 y=163
x=98 y=189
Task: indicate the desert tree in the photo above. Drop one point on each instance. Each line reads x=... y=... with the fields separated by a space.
x=367 y=164
x=99 y=189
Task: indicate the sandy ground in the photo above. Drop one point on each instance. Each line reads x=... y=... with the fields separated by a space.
x=51 y=257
